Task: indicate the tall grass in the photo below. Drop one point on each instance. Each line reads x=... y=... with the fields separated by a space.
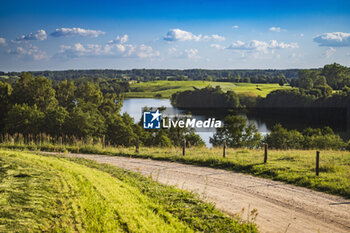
x=291 y=166
x=55 y=194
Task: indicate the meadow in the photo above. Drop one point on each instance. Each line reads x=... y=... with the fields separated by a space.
x=164 y=89
x=291 y=166
x=57 y=194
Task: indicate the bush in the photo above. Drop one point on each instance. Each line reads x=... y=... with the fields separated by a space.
x=281 y=138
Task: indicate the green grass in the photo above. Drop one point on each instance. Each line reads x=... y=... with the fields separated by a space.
x=57 y=194
x=291 y=166
x=164 y=89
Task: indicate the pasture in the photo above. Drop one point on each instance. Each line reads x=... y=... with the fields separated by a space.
x=164 y=89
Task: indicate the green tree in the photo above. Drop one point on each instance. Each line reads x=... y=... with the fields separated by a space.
x=38 y=91
x=55 y=121
x=85 y=121
x=306 y=83
x=280 y=138
x=336 y=75
x=237 y=133
x=111 y=104
x=120 y=130
x=5 y=95
x=161 y=139
x=25 y=119
x=193 y=139
x=281 y=82
x=207 y=97
x=65 y=94
x=320 y=80
x=89 y=93
x=326 y=90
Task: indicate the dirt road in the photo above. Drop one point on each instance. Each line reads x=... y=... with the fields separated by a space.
x=281 y=207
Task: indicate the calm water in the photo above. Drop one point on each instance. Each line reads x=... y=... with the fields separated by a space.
x=134 y=108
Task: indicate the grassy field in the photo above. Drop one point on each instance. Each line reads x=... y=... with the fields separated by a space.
x=164 y=89
x=291 y=166
x=56 y=194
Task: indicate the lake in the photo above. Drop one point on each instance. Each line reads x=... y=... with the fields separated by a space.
x=134 y=106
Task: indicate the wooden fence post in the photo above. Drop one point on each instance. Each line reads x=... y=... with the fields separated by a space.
x=265 y=156
x=317 y=162
x=184 y=147
x=137 y=145
x=224 y=149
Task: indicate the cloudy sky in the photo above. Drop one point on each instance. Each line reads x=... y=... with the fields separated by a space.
x=42 y=35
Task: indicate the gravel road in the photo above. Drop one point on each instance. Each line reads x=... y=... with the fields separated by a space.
x=281 y=207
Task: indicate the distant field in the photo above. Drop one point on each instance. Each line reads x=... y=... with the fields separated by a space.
x=164 y=89
x=57 y=194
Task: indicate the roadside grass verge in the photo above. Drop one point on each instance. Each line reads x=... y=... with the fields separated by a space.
x=291 y=166
x=164 y=89
x=58 y=194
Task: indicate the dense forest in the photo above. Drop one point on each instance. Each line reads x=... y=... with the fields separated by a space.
x=33 y=108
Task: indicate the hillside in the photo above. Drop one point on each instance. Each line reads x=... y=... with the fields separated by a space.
x=54 y=194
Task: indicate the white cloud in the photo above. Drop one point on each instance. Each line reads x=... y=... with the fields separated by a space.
x=261 y=46
x=76 y=32
x=38 y=35
x=3 y=41
x=329 y=52
x=172 y=50
x=214 y=37
x=235 y=27
x=119 y=40
x=147 y=51
x=28 y=51
x=79 y=50
x=180 y=35
x=275 y=29
x=217 y=46
x=333 y=39
x=112 y=48
x=301 y=35
x=191 y=53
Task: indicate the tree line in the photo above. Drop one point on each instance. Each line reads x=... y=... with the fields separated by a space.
x=329 y=87
x=208 y=97
x=332 y=76
x=254 y=76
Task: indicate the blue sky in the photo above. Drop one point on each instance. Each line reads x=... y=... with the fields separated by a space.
x=44 y=35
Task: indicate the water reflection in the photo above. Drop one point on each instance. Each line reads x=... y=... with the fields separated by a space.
x=134 y=108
